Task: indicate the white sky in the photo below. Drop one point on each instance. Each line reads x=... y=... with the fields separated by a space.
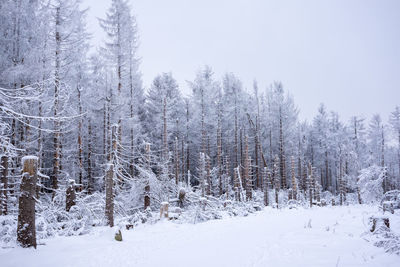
x=344 y=53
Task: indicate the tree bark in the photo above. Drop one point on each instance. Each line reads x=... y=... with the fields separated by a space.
x=4 y=182
x=90 y=185
x=26 y=231
x=147 y=182
x=70 y=196
x=110 y=195
x=56 y=135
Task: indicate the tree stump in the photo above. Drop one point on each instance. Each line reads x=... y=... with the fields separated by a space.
x=26 y=231
x=164 y=209
x=118 y=236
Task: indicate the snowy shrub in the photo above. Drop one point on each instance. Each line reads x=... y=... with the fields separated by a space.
x=52 y=218
x=383 y=237
x=8 y=230
x=370 y=183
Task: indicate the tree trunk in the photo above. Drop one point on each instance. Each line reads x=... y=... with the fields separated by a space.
x=294 y=183
x=4 y=182
x=176 y=158
x=236 y=148
x=165 y=132
x=70 y=196
x=90 y=185
x=282 y=152
x=266 y=175
x=147 y=182
x=187 y=145
x=247 y=164
x=110 y=195
x=105 y=128
x=208 y=168
x=80 y=149
x=236 y=180
x=56 y=134
x=219 y=153
x=26 y=231
x=310 y=184
x=277 y=180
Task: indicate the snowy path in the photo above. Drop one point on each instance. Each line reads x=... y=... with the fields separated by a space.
x=268 y=238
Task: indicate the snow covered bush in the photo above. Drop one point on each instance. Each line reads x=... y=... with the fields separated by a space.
x=8 y=230
x=52 y=218
x=370 y=183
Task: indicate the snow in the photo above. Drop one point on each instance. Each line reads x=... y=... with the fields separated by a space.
x=329 y=236
x=25 y=158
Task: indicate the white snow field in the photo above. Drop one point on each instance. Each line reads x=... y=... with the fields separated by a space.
x=329 y=236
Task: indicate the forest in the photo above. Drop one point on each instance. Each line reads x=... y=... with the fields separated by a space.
x=84 y=144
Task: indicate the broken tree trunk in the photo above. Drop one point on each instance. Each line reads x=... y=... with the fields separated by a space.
x=70 y=196
x=26 y=231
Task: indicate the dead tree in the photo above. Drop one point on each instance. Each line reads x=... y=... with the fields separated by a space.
x=256 y=152
x=342 y=184
x=318 y=188
x=304 y=178
x=246 y=173
x=109 y=179
x=165 y=132
x=282 y=152
x=109 y=183
x=56 y=133
x=147 y=182
x=238 y=184
x=276 y=180
x=219 y=151
x=294 y=183
x=4 y=182
x=80 y=145
x=267 y=176
x=187 y=145
x=227 y=175
x=309 y=184
x=90 y=182
x=176 y=161
x=260 y=149
x=208 y=168
x=26 y=231
x=202 y=173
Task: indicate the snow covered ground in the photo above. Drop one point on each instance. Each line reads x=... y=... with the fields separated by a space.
x=330 y=236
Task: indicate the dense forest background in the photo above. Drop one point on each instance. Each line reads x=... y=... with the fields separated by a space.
x=87 y=116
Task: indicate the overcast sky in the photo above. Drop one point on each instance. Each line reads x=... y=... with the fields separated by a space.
x=344 y=53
